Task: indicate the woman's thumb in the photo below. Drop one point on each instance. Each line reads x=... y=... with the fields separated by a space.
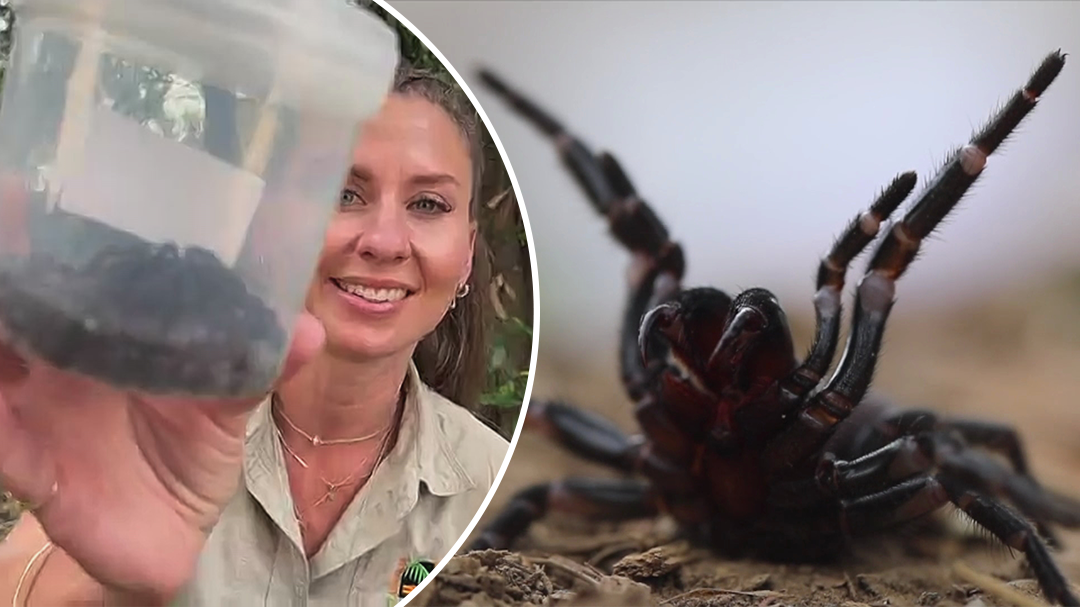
x=309 y=336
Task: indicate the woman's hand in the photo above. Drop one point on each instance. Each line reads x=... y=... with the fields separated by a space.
x=128 y=486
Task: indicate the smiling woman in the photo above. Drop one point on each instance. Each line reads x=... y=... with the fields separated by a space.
x=362 y=468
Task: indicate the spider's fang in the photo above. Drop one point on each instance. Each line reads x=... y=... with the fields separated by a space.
x=746 y=323
x=650 y=339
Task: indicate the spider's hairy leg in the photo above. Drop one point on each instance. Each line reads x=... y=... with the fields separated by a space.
x=1016 y=533
x=858 y=234
x=895 y=253
x=919 y=473
x=911 y=498
x=876 y=447
x=1005 y=441
x=595 y=439
x=951 y=456
x=609 y=499
x=996 y=437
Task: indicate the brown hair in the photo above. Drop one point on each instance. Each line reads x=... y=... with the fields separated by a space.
x=453 y=358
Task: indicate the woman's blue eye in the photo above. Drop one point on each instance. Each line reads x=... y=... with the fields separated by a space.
x=430 y=205
x=349 y=197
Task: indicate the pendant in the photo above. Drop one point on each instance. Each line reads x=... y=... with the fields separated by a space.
x=316 y=441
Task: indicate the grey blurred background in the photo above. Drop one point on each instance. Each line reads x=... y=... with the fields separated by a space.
x=758 y=129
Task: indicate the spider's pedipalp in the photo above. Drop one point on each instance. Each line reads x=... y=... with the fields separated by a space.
x=862 y=230
x=859 y=233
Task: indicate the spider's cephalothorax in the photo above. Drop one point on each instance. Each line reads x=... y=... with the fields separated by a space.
x=756 y=451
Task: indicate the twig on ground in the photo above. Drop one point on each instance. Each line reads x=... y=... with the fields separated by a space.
x=712 y=591
x=995 y=586
x=567 y=566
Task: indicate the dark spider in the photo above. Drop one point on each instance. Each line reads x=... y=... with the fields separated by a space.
x=741 y=442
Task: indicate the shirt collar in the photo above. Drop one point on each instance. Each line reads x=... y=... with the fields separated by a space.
x=422 y=455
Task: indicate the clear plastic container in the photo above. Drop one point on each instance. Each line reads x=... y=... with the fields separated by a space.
x=167 y=172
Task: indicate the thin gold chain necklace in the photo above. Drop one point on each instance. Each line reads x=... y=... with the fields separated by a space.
x=333 y=487
x=316 y=440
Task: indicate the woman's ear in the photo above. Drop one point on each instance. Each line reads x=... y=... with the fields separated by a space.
x=467 y=269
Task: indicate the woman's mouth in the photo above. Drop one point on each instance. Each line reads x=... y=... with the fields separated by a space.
x=379 y=295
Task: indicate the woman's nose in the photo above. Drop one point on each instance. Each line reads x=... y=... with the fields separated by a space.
x=385 y=237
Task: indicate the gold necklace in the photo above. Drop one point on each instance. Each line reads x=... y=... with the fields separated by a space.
x=333 y=487
x=317 y=441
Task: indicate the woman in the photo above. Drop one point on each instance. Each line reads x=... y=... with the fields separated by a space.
x=322 y=493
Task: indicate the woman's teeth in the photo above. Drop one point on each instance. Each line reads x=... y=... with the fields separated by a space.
x=377 y=295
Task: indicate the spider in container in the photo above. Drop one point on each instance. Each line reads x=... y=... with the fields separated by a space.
x=753 y=451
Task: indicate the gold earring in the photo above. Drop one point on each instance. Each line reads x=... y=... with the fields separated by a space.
x=462 y=291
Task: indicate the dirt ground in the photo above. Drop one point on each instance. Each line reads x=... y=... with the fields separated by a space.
x=1014 y=359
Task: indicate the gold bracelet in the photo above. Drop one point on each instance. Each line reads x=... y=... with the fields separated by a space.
x=18 y=587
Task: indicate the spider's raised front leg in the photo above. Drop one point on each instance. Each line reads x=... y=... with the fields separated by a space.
x=658 y=262
x=810 y=428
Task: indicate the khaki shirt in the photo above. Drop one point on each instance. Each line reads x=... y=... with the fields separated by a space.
x=415 y=506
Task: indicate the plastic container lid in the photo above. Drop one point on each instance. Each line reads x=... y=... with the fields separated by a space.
x=327 y=56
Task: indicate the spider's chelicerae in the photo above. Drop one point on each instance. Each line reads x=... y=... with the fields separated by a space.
x=754 y=451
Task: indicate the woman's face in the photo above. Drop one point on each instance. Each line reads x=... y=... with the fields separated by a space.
x=401 y=242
